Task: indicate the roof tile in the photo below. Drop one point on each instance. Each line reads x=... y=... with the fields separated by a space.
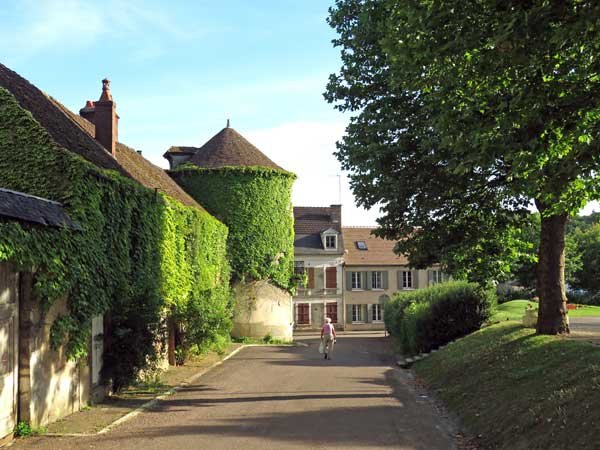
x=227 y=148
x=380 y=252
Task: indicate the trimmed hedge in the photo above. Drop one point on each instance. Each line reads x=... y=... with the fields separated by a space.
x=256 y=204
x=424 y=319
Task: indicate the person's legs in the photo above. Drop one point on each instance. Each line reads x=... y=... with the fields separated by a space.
x=330 y=348
x=328 y=345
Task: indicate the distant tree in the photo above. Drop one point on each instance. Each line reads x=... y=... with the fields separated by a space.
x=525 y=269
x=587 y=274
x=465 y=114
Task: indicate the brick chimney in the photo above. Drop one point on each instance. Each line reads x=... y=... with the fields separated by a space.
x=336 y=215
x=103 y=114
x=87 y=112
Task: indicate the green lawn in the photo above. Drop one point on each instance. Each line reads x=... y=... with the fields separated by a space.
x=515 y=309
x=518 y=390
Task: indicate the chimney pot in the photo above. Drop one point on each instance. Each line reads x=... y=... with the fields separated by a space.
x=106 y=119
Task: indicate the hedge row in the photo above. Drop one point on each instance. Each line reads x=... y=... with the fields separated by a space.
x=424 y=319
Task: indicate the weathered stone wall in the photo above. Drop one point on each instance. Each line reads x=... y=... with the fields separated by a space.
x=262 y=309
x=51 y=387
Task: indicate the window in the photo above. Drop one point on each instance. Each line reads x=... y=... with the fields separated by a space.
x=303 y=317
x=361 y=245
x=377 y=280
x=299 y=267
x=407 y=281
x=435 y=276
x=331 y=278
x=356 y=280
x=331 y=310
x=357 y=313
x=330 y=242
x=376 y=313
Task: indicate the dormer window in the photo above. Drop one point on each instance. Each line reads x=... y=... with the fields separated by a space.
x=361 y=245
x=330 y=242
x=329 y=239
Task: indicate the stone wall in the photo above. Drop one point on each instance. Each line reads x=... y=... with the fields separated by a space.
x=262 y=309
x=50 y=386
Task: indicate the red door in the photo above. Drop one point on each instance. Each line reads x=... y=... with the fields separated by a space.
x=303 y=314
x=331 y=309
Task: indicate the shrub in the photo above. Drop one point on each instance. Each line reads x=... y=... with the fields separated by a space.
x=583 y=297
x=507 y=293
x=424 y=319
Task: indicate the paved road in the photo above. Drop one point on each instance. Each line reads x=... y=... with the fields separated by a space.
x=285 y=398
x=591 y=324
x=585 y=329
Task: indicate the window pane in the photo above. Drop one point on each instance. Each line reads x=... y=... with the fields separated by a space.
x=377 y=280
x=407 y=279
x=330 y=241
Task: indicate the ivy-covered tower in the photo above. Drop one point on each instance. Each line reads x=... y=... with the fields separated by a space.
x=251 y=194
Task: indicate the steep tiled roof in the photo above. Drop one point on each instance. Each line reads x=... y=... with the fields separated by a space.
x=228 y=148
x=182 y=149
x=28 y=208
x=150 y=175
x=309 y=223
x=314 y=219
x=76 y=134
x=55 y=120
x=380 y=252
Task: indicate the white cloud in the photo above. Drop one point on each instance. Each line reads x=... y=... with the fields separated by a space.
x=41 y=25
x=306 y=148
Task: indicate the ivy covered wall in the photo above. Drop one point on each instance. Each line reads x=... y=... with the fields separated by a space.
x=256 y=205
x=140 y=254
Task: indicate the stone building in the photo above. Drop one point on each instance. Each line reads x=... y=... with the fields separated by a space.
x=319 y=254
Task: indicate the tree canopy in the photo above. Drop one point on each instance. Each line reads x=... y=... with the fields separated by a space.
x=464 y=114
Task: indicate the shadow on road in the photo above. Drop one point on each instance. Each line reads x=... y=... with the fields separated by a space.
x=299 y=427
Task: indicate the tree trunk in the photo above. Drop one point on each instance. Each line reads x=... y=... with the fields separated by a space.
x=552 y=313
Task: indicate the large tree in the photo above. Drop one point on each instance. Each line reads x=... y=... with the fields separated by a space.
x=464 y=115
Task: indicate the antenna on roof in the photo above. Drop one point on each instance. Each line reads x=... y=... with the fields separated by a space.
x=227 y=123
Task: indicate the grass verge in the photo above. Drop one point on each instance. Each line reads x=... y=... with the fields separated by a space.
x=515 y=309
x=516 y=390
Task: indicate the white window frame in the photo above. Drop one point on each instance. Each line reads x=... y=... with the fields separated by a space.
x=330 y=236
x=356 y=281
x=376 y=313
x=377 y=275
x=357 y=314
x=436 y=277
x=407 y=279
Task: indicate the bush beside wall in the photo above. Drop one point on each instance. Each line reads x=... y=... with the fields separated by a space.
x=424 y=319
x=141 y=255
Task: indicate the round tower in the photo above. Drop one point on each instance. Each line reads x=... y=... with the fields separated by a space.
x=251 y=194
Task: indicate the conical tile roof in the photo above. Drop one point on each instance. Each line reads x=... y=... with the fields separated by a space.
x=230 y=148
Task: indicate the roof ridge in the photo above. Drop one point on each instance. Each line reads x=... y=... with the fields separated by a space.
x=23 y=194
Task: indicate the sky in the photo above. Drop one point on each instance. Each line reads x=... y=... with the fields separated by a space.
x=180 y=69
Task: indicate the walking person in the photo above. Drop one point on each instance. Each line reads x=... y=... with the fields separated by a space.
x=328 y=338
